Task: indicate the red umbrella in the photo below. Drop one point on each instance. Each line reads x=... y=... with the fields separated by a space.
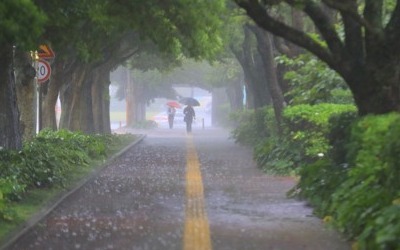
x=173 y=104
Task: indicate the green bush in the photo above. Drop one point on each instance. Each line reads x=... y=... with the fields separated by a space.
x=277 y=156
x=304 y=139
x=320 y=179
x=364 y=199
x=311 y=81
x=339 y=136
x=308 y=127
x=252 y=127
x=358 y=185
x=45 y=161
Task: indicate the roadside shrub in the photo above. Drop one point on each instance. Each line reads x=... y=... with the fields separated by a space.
x=339 y=136
x=277 y=156
x=10 y=190
x=367 y=198
x=320 y=179
x=308 y=127
x=251 y=127
x=357 y=186
x=93 y=145
x=48 y=158
x=304 y=139
x=44 y=161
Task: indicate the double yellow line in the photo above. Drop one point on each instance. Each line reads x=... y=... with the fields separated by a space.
x=197 y=230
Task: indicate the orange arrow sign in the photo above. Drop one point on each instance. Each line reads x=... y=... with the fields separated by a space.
x=45 y=52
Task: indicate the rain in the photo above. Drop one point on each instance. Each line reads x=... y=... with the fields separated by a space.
x=248 y=123
x=138 y=201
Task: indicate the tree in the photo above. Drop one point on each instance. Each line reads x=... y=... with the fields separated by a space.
x=366 y=54
x=20 y=26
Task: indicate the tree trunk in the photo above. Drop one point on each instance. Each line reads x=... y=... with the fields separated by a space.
x=100 y=100
x=254 y=70
x=106 y=109
x=266 y=50
x=130 y=100
x=70 y=99
x=377 y=90
x=10 y=135
x=85 y=122
x=257 y=94
x=218 y=113
x=235 y=95
x=26 y=93
x=141 y=102
x=58 y=78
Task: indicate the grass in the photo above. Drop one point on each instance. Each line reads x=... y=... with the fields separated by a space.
x=37 y=199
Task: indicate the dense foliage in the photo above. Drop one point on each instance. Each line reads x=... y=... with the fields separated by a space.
x=348 y=166
x=304 y=139
x=45 y=161
x=312 y=82
x=359 y=191
x=21 y=23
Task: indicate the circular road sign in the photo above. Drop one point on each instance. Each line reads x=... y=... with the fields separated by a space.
x=43 y=71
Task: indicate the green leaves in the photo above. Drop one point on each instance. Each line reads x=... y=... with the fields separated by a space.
x=21 y=23
x=361 y=194
x=312 y=81
x=45 y=161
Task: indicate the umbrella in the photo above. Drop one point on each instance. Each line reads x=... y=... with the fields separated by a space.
x=173 y=104
x=189 y=101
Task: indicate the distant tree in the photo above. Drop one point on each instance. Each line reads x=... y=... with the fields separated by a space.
x=228 y=74
x=363 y=50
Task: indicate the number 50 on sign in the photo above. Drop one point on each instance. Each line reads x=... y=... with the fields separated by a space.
x=43 y=71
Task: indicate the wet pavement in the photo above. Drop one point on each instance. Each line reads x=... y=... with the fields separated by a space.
x=140 y=201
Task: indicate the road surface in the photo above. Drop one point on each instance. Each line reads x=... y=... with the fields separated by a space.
x=180 y=191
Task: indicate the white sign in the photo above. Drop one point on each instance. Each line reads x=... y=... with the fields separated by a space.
x=43 y=71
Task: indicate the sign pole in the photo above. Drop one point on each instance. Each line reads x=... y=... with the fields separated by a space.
x=40 y=107
x=35 y=59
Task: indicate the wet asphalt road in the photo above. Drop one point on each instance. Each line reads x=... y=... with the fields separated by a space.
x=138 y=202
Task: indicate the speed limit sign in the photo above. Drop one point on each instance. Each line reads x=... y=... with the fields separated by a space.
x=43 y=71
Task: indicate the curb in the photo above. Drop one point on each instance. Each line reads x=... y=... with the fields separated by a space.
x=56 y=201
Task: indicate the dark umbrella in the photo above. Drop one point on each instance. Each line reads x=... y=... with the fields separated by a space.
x=189 y=101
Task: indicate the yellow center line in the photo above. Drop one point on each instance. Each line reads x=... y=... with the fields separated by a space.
x=197 y=230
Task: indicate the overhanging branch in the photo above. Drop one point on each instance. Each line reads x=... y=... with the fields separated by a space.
x=325 y=26
x=264 y=20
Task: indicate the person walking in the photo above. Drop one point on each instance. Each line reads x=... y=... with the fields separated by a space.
x=171 y=115
x=189 y=113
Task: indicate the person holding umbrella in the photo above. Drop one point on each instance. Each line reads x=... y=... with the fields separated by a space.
x=171 y=112
x=189 y=113
x=171 y=115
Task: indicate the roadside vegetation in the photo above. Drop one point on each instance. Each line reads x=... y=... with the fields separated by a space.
x=47 y=166
x=347 y=165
